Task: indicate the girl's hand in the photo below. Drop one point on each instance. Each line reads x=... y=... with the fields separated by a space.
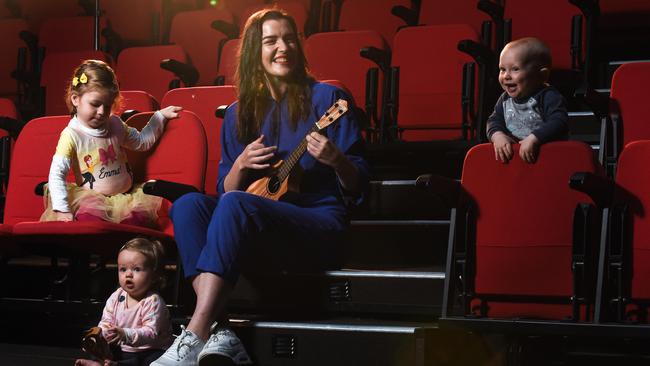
x=256 y=154
x=171 y=112
x=322 y=149
x=63 y=216
x=115 y=335
x=502 y=147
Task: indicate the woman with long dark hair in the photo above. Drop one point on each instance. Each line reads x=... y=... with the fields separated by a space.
x=278 y=104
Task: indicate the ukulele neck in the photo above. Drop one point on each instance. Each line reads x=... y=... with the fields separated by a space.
x=290 y=162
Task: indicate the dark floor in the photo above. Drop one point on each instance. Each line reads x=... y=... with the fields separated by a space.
x=29 y=355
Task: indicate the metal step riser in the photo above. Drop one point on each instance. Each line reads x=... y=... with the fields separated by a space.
x=397 y=296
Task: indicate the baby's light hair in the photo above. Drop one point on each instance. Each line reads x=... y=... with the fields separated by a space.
x=535 y=52
x=93 y=75
x=154 y=253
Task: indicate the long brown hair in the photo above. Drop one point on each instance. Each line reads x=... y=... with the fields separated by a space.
x=253 y=92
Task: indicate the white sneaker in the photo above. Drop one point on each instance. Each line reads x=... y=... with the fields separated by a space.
x=223 y=348
x=183 y=352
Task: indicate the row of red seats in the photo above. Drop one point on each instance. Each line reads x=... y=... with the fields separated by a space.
x=548 y=249
x=22 y=234
x=332 y=55
x=437 y=98
x=351 y=15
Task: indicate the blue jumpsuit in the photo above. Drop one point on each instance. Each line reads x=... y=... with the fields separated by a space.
x=225 y=235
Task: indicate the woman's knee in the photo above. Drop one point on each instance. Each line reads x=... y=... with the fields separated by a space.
x=191 y=205
x=232 y=199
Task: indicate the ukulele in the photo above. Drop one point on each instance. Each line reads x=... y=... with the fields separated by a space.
x=276 y=184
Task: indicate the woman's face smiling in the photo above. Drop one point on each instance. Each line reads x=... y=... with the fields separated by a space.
x=279 y=45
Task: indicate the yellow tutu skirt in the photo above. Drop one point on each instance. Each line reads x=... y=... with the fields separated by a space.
x=134 y=207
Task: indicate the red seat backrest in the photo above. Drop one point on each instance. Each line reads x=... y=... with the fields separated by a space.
x=9 y=44
x=138 y=68
x=430 y=79
x=524 y=218
x=30 y=165
x=335 y=55
x=137 y=100
x=56 y=75
x=164 y=161
x=294 y=8
x=629 y=93
x=67 y=34
x=228 y=61
x=204 y=101
x=531 y=19
x=623 y=14
x=8 y=108
x=238 y=8
x=188 y=27
x=35 y=12
x=371 y=15
x=135 y=21
x=633 y=181
x=438 y=12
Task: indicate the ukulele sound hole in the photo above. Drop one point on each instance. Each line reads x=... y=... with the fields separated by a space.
x=274 y=184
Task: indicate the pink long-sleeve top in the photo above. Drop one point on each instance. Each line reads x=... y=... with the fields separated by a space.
x=146 y=325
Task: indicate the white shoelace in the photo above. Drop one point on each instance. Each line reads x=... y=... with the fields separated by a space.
x=182 y=340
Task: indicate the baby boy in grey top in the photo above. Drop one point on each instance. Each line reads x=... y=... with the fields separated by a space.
x=543 y=114
x=529 y=113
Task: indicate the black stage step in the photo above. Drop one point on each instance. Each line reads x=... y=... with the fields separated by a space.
x=415 y=294
x=335 y=342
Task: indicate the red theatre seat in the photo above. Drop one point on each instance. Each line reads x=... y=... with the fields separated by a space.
x=137 y=100
x=56 y=76
x=430 y=81
x=67 y=34
x=188 y=27
x=136 y=23
x=204 y=101
x=516 y=257
x=530 y=19
x=30 y=166
x=228 y=62
x=438 y=12
x=371 y=15
x=36 y=12
x=628 y=110
x=629 y=95
x=295 y=8
x=627 y=292
x=336 y=55
x=138 y=68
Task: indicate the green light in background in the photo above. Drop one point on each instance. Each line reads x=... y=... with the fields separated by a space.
x=213 y=2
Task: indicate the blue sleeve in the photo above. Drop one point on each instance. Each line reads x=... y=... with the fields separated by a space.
x=230 y=146
x=346 y=134
x=555 y=116
x=496 y=122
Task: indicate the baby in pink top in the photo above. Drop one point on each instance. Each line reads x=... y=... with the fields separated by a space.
x=135 y=317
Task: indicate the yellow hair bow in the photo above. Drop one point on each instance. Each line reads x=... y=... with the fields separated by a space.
x=81 y=79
